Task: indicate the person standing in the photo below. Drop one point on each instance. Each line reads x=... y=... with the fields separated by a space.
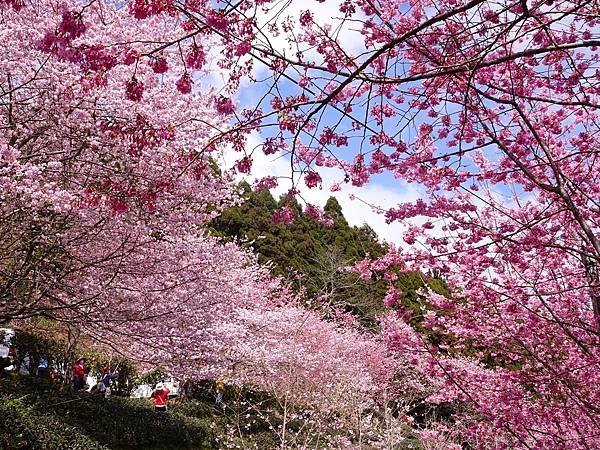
x=106 y=380
x=220 y=389
x=42 y=369
x=79 y=374
x=160 y=394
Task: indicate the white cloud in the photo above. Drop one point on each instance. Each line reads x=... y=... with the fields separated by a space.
x=326 y=13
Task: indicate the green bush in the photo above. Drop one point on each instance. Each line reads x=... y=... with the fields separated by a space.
x=38 y=414
x=150 y=378
x=61 y=356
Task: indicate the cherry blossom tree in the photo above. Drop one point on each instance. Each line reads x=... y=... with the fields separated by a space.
x=106 y=186
x=96 y=171
x=326 y=375
x=491 y=108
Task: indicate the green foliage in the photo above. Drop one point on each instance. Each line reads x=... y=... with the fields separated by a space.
x=18 y=404
x=36 y=414
x=307 y=248
x=61 y=355
x=36 y=346
x=150 y=378
x=316 y=253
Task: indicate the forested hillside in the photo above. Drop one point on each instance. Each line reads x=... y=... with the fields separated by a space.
x=313 y=256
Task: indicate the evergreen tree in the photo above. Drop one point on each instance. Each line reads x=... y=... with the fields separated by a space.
x=318 y=254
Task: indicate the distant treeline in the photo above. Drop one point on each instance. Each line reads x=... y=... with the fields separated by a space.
x=311 y=255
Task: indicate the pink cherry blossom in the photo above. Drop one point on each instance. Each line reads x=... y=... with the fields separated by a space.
x=184 y=83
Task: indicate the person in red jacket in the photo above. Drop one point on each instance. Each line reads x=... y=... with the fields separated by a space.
x=160 y=394
x=79 y=374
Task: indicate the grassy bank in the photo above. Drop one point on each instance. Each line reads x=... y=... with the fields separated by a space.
x=36 y=414
x=39 y=415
